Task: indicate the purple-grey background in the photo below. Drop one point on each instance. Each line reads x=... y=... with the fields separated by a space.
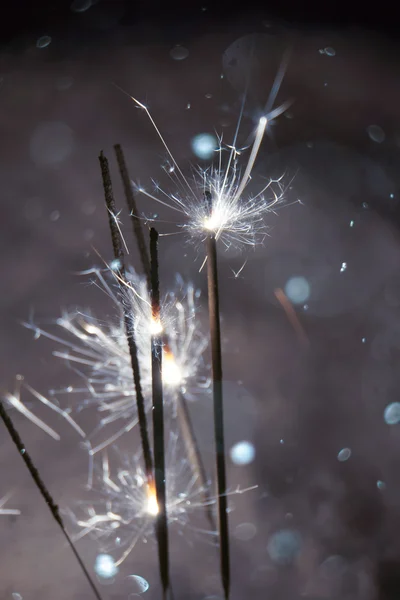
x=299 y=405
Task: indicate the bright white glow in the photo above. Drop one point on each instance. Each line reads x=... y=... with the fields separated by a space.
x=243 y=453
x=171 y=373
x=155 y=326
x=105 y=566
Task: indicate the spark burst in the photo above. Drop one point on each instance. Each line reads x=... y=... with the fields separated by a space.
x=100 y=354
x=124 y=507
x=234 y=220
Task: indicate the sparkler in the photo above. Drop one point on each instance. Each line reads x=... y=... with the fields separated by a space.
x=124 y=509
x=43 y=491
x=215 y=333
x=158 y=416
x=130 y=334
x=130 y=199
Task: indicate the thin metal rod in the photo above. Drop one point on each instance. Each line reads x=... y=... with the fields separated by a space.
x=158 y=418
x=216 y=360
x=133 y=211
x=194 y=456
x=128 y=317
x=43 y=491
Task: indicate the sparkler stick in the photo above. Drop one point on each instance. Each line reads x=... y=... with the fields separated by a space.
x=44 y=491
x=194 y=455
x=158 y=417
x=130 y=199
x=216 y=357
x=119 y=256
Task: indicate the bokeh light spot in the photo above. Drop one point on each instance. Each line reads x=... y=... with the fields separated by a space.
x=245 y=531
x=242 y=453
x=43 y=41
x=204 y=145
x=391 y=414
x=297 y=289
x=376 y=133
x=139 y=585
x=284 y=546
x=80 y=5
x=179 y=52
x=344 y=454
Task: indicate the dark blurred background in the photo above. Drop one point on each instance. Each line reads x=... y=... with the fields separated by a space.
x=322 y=524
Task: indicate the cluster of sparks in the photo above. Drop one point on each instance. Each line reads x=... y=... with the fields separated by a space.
x=99 y=353
x=126 y=506
x=233 y=219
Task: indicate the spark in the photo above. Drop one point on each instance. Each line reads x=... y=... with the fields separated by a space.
x=236 y=274
x=98 y=352
x=14 y=400
x=7 y=511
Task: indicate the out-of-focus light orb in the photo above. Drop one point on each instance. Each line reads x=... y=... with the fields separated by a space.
x=284 y=546
x=343 y=267
x=105 y=566
x=51 y=143
x=80 y=5
x=16 y=596
x=297 y=289
x=64 y=83
x=204 y=145
x=376 y=133
x=391 y=413
x=381 y=485
x=245 y=531
x=329 y=51
x=179 y=52
x=139 y=585
x=243 y=453
x=43 y=41
x=344 y=454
